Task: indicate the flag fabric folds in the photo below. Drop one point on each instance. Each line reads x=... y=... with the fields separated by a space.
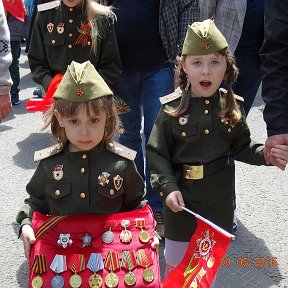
x=199 y=266
x=15 y=8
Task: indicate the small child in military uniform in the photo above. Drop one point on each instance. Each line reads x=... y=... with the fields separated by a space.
x=198 y=127
x=85 y=172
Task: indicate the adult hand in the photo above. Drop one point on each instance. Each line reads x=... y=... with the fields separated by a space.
x=175 y=201
x=271 y=142
x=5 y=106
x=28 y=238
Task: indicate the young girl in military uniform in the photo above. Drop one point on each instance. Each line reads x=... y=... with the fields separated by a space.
x=78 y=30
x=197 y=129
x=85 y=172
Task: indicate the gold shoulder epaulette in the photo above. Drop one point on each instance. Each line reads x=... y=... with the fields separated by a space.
x=48 y=5
x=47 y=152
x=121 y=150
x=223 y=91
x=170 y=97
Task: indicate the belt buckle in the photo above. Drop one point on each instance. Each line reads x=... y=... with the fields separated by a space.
x=193 y=172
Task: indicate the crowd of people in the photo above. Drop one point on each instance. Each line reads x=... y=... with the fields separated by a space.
x=177 y=96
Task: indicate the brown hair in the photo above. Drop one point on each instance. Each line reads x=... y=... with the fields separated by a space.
x=69 y=109
x=231 y=113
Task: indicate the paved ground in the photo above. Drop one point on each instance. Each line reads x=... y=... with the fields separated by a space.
x=261 y=199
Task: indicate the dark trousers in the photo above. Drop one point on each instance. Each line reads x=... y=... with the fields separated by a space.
x=14 y=67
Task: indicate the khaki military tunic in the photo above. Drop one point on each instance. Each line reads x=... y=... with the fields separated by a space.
x=198 y=137
x=96 y=181
x=56 y=41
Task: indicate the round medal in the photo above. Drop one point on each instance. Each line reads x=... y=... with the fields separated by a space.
x=144 y=236
x=57 y=282
x=75 y=281
x=108 y=237
x=111 y=280
x=125 y=236
x=37 y=282
x=130 y=278
x=95 y=281
x=148 y=275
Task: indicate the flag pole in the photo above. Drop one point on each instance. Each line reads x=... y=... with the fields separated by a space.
x=210 y=223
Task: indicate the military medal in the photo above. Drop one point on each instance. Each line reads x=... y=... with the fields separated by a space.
x=143 y=235
x=145 y=260
x=58 y=266
x=108 y=236
x=39 y=266
x=95 y=264
x=87 y=240
x=60 y=28
x=103 y=179
x=112 y=263
x=64 y=240
x=125 y=235
x=183 y=119
x=50 y=27
x=118 y=181
x=129 y=262
x=76 y=264
x=58 y=172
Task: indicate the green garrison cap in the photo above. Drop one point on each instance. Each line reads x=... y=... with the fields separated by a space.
x=203 y=38
x=81 y=83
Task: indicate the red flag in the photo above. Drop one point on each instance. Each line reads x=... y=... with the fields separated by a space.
x=199 y=266
x=15 y=8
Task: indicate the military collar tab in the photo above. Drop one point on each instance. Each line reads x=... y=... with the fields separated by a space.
x=121 y=150
x=48 y=152
x=223 y=91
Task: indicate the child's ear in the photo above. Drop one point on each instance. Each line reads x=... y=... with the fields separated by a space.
x=58 y=117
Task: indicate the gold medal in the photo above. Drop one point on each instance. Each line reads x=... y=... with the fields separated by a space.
x=130 y=278
x=37 y=282
x=75 y=281
x=125 y=235
x=148 y=275
x=95 y=281
x=111 y=280
x=144 y=236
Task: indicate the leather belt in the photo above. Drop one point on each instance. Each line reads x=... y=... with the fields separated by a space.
x=196 y=172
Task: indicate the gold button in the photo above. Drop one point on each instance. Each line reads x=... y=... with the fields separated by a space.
x=70 y=9
x=57 y=193
x=88 y=43
x=84 y=156
x=82 y=195
x=206 y=112
x=69 y=46
x=111 y=145
x=183 y=134
x=207 y=102
x=161 y=194
x=229 y=129
x=112 y=192
x=53 y=41
x=207 y=131
x=70 y=21
x=82 y=170
x=70 y=35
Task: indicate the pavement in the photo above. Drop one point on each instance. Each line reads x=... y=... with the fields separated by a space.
x=261 y=238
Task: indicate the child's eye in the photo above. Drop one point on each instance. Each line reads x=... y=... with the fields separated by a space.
x=214 y=62
x=94 y=120
x=73 y=121
x=196 y=63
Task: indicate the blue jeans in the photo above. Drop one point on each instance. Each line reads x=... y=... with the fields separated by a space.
x=141 y=92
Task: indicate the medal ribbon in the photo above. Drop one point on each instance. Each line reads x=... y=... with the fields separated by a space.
x=110 y=224
x=49 y=224
x=140 y=222
x=59 y=264
x=77 y=263
x=144 y=258
x=129 y=260
x=39 y=265
x=95 y=262
x=112 y=262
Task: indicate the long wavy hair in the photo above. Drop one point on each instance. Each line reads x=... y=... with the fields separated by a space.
x=231 y=114
x=69 y=109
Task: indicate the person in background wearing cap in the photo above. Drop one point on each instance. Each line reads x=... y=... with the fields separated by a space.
x=78 y=30
x=5 y=61
x=83 y=121
x=199 y=126
x=242 y=24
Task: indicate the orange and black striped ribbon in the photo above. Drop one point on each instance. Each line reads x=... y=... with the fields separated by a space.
x=144 y=258
x=77 y=263
x=112 y=262
x=49 y=224
x=39 y=265
x=129 y=260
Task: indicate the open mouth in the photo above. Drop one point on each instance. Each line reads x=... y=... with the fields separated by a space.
x=205 y=84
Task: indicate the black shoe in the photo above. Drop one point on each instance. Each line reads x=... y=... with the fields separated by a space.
x=14 y=98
